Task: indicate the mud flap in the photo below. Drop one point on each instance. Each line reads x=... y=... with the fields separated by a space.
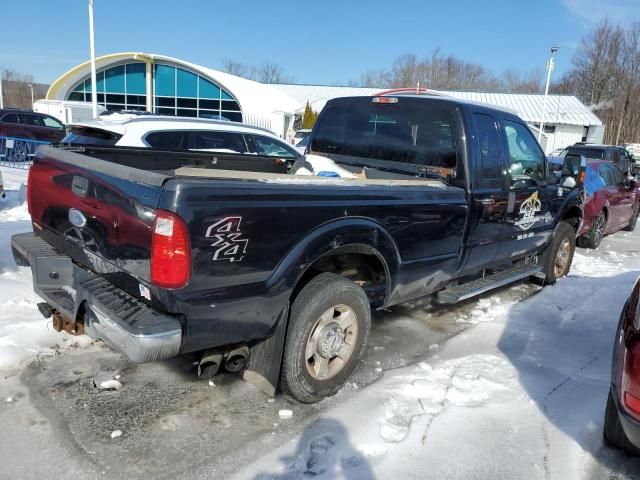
x=265 y=361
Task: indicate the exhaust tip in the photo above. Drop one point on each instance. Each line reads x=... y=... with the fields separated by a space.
x=237 y=360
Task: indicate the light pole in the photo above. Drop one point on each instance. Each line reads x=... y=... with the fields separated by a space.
x=31 y=87
x=546 y=92
x=1 y=94
x=92 y=47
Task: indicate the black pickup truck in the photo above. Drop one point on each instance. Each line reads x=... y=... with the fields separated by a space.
x=273 y=273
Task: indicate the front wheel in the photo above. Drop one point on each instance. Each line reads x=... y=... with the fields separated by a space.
x=593 y=237
x=328 y=331
x=559 y=255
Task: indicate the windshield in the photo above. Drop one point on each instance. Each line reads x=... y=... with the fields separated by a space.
x=594 y=153
x=416 y=131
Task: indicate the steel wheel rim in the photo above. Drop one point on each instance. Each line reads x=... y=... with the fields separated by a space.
x=331 y=342
x=562 y=258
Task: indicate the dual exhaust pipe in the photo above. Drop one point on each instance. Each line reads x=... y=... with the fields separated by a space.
x=233 y=361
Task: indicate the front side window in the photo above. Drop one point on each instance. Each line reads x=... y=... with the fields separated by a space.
x=31 y=120
x=525 y=156
x=490 y=168
x=270 y=147
x=606 y=176
x=618 y=177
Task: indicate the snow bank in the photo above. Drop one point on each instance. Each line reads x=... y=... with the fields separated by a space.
x=24 y=333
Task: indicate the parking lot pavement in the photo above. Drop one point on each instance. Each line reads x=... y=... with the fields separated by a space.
x=173 y=423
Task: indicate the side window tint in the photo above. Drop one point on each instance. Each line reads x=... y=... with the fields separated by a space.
x=167 y=140
x=618 y=178
x=525 y=156
x=31 y=120
x=490 y=168
x=10 y=118
x=606 y=175
x=51 y=122
x=225 y=142
x=270 y=147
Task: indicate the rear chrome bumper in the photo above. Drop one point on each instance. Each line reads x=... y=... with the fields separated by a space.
x=123 y=322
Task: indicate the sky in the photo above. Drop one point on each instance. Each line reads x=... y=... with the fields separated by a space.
x=322 y=42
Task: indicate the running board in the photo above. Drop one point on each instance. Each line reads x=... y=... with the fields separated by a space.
x=476 y=287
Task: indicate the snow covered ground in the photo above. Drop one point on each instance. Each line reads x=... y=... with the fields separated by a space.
x=511 y=385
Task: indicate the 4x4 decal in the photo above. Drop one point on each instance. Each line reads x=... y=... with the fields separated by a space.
x=229 y=241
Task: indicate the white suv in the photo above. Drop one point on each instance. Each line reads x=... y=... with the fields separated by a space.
x=176 y=133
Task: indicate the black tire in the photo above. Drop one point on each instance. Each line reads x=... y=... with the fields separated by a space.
x=634 y=219
x=309 y=311
x=564 y=232
x=613 y=432
x=593 y=237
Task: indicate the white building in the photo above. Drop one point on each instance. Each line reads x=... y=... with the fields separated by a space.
x=169 y=86
x=566 y=119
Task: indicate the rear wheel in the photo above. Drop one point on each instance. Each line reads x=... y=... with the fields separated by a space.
x=634 y=219
x=593 y=237
x=556 y=262
x=613 y=432
x=327 y=334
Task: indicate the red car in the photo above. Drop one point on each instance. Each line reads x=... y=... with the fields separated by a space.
x=30 y=125
x=612 y=203
x=622 y=417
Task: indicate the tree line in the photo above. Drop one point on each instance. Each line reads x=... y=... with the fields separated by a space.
x=605 y=75
x=16 y=91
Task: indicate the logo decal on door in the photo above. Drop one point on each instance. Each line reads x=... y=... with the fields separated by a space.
x=528 y=210
x=230 y=243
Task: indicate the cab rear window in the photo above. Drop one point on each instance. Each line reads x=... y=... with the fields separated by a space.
x=407 y=130
x=91 y=136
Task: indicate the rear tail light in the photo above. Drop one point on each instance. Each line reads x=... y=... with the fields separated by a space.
x=631 y=381
x=170 y=251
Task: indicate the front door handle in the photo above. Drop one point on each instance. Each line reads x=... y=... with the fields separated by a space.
x=488 y=201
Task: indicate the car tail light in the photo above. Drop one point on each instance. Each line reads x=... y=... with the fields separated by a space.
x=170 y=251
x=631 y=380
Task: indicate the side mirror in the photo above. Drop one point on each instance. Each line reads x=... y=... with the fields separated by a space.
x=630 y=183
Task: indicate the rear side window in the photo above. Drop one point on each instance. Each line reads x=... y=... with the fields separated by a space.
x=270 y=147
x=488 y=144
x=51 y=123
x=172 y=140
x=414 y=131
x=10 y=118
x=225 y=142
x=91 y=136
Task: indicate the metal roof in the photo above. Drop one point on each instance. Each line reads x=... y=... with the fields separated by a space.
x=560 y=109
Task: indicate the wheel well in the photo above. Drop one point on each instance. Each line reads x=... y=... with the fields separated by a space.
x=572 y=217
x=365 y=269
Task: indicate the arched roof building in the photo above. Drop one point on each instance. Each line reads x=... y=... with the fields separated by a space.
x=169 y=86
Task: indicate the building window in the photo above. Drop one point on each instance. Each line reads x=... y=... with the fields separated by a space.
x=176 y=91
x=122 y=87
x=187 y=94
